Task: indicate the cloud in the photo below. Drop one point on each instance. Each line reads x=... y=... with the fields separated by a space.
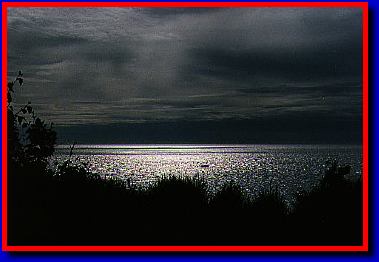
x=139 y=65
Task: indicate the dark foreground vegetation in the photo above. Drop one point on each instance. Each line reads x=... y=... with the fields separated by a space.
x=71 y=206
x=76 y=208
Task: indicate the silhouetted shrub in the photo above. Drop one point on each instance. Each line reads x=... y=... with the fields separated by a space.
x=73 y=206
x=30 y=140
x=333 y=209
x=229 y=197
x=84 y=208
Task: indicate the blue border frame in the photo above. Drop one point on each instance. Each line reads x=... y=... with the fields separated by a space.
x=373 y=181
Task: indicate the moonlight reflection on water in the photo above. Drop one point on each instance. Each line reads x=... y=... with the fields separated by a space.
x=288 y=168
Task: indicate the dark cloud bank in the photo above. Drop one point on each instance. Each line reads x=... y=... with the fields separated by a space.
x=205 y=75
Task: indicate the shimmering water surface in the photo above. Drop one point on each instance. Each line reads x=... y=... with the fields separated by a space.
x=289 y=168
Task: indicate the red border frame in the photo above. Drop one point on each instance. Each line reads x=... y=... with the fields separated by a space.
x=362 y=248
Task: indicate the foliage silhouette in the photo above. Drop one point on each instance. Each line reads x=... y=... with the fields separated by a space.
x=72 y=206
x=30 y=140
x=80 y=208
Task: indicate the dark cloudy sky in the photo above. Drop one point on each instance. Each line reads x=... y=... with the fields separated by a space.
x=238 y=75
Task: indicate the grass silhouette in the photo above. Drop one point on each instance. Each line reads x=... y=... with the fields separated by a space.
x=72 y=206
x=75 y=207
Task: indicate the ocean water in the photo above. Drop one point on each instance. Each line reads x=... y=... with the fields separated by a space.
x=287 y=168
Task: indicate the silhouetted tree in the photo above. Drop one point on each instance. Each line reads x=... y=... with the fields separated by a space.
x=30 y=140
